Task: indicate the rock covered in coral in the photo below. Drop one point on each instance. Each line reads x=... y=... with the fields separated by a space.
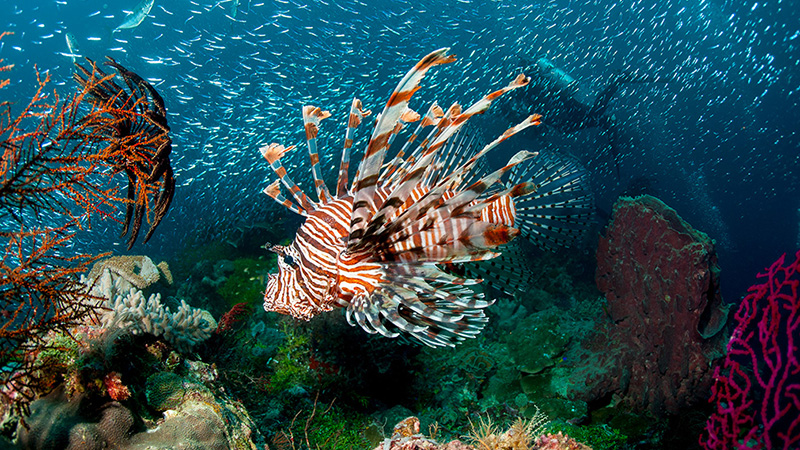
x=120 y=280
x=558 y=441
x=661 y=281
x=194 y=417
x=522 y=435
x=406 y=436
x=122 y=273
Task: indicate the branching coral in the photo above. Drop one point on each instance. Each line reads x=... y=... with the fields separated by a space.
x=183 y=329
x=55 y=177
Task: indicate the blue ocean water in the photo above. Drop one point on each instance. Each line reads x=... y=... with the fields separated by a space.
x=718 y=142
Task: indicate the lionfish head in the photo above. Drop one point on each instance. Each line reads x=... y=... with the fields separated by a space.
x=287 y=291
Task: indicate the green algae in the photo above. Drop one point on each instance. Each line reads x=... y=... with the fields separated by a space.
x=246 y=283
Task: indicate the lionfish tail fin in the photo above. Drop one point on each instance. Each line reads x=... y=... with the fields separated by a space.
x=560 y=209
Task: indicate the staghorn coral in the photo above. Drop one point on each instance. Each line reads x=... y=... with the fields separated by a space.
x=137 y=314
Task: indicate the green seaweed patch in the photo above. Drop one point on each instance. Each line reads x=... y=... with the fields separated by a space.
x=538 y=342
x=246 y=283
x=338 y=429
x=292 y=363
x=596 y=436
x=631 y=424
x=504 y=384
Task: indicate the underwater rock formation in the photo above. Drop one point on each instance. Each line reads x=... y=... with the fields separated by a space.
x=521 y=435
x=128 y=271
x=194 y=417
x=661 y=281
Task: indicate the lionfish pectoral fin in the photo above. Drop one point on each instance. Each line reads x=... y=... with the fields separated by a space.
x=436 y=315
x=556 y=209
x=507 y=272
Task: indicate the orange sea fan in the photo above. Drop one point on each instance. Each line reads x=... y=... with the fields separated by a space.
x=57 y=173
x=133 y=126
x=4 y=83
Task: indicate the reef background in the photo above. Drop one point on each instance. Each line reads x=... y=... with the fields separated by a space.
x=718 y=143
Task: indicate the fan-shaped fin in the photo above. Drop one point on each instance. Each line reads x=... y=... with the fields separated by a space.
x=560 y=211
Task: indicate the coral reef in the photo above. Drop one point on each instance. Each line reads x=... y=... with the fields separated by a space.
x=558 y=442
x=661 y=281
x=484 y=435
x=755 y=389
x=194 y=415
x=185 y=328
x=56 y=167
x=124 y=272
x=119 y=280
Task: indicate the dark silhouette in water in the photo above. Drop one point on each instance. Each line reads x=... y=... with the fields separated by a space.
x=569 y=106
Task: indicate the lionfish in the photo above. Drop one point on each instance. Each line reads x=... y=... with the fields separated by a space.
x=384 y=246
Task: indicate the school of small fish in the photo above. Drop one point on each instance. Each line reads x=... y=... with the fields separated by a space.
x=233 y=73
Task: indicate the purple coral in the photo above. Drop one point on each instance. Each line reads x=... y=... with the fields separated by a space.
x=757 y=390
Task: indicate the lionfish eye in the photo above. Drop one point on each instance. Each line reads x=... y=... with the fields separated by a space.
x=288 y=260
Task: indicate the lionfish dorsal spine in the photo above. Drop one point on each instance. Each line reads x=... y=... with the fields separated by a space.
x=273 y=154
x=366 y=181
x=355 y=118
x=274 y=191
x=397 y=168
x=312 y=116
x=433 y=197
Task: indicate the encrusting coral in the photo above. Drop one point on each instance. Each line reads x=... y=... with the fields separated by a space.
x=129 y=271
x=195 y=414
x=485 y=435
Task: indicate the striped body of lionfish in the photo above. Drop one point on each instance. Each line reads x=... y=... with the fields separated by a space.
x=383 y=247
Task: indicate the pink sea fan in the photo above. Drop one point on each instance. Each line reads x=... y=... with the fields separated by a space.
x=757 y=389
